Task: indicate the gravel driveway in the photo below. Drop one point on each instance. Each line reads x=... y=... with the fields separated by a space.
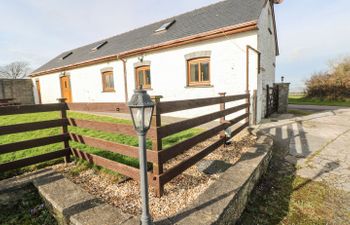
x=319 y=145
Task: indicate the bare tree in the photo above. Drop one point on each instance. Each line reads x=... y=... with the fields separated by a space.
x=15 y=70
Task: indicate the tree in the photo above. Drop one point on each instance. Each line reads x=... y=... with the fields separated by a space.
x=15 y=70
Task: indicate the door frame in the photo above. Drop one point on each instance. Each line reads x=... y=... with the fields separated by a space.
x=38 y=90
x=69 y=100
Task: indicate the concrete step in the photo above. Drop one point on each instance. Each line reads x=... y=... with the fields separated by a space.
x=72 y=205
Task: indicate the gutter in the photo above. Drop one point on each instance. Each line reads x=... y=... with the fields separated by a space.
x=229 y=30
x=125 y=80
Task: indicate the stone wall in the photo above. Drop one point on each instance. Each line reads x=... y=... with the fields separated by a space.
x=20 y=89
x=283 y=93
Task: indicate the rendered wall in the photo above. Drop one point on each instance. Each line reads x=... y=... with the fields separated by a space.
x=168 y=74
x=267 y=47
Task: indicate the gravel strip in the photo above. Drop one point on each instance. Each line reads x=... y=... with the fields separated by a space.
x=178 y=193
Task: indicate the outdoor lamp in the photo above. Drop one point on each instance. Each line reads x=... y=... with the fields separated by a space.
x=141 y=109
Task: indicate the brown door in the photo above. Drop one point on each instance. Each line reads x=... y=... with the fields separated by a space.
x=65 y=88
x=37 y=84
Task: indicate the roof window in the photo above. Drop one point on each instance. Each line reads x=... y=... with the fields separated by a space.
x=66 y=55
x=100 y=45
x=165 y=26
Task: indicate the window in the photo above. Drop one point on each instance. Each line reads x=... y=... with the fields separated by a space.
x=165 y=26
x=66 y=55
x=143 y=77
x=108 y=81
x=100 y=45
x=198 y=72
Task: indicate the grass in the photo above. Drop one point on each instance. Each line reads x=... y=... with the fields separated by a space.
x=302 y=100
x=24 y=207
x=284 y=198
x=298 y=112
x=118 y=138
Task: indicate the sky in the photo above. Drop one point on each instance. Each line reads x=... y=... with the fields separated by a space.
x=310 y=32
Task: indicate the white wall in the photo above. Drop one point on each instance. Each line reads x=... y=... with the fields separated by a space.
x=227 y=70
x=267 y=47
x=168 y=74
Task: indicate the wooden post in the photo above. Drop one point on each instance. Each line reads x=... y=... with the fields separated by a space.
x=255 y=106
x=65 y=128
x=267 y=114
x=157 y=145
x=248 y=107
x=222 y=119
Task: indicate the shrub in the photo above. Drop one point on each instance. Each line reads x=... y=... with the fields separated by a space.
x=333 y=84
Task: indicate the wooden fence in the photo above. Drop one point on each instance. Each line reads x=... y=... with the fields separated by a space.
x=158 y=156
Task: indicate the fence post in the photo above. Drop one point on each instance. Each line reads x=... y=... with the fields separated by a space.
x=65 y=127
x=267 y=101
x=157 y=144
x=255 y=105
x=248 y=107
x=222 y=119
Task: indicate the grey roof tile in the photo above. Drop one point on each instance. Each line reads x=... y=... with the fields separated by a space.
x=215 y=16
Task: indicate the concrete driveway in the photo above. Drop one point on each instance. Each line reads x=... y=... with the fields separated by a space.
x=319 y=145
x=314 y=108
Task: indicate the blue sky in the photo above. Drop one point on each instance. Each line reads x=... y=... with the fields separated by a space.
x=311 y=32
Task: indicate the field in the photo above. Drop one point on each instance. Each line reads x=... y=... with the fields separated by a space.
x=302 y=100
x=119 y=138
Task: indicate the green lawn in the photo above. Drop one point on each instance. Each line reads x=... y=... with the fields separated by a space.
x=302 y=100
x=119 y=138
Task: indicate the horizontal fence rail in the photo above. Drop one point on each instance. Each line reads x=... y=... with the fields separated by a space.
x=33 y=160
x=172 y=106
x=158 y=156
x=22 y=145
x=23 y=109
x=126 y=170
x=182 y=166
x=127 y=150
x=125 y=129
x=99 y=107
x=18 y=128
x=181 y=147
x=194 y=122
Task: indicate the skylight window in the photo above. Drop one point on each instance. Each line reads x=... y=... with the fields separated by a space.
x=66 y=55
x=100 y=45
x=165 y=26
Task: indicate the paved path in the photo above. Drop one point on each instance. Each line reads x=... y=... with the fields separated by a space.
x=319 y=145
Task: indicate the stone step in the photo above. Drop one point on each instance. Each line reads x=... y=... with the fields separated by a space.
x=72 y=205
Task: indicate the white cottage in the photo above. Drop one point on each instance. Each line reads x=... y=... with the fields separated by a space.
x=230 y=46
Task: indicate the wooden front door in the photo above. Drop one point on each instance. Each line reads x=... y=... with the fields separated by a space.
x=37 y=84
x=65 y=88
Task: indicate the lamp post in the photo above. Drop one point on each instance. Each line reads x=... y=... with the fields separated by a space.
x=141 y=110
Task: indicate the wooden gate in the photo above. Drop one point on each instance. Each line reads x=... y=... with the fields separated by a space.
x=271 y=100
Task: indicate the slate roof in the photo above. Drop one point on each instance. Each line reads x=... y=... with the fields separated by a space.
x=212 y=17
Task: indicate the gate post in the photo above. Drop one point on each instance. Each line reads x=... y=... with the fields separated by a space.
x=65 y=127
x=157 y=145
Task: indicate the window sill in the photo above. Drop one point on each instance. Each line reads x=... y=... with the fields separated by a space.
x=112 y=91
x=199 y=86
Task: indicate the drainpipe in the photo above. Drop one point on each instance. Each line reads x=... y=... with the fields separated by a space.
x=125 y=80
